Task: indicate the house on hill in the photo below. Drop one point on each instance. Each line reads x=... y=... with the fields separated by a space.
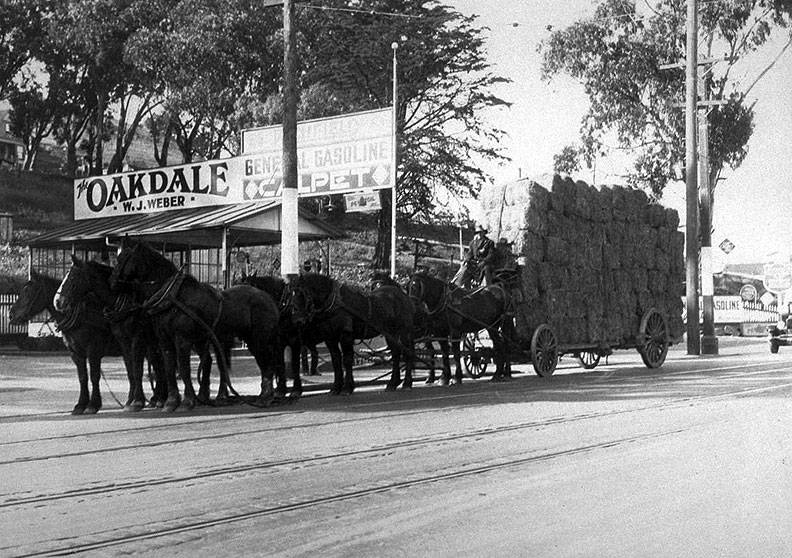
x=10 y=146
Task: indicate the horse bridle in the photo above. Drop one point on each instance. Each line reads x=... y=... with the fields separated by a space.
x=419 y=297
x=310 y=306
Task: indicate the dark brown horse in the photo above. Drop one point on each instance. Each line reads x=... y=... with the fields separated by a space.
x=339 y=314
x=86 y=333
x=290 y=336
x=186 y=312
x=90 y=281
x=453 y=311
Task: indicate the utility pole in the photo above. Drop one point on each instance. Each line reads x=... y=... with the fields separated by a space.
x=709 y=342
x=289 y=212
x=691 y=182
x=394 y=162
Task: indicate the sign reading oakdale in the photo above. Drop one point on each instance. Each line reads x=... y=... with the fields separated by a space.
x=335 y=155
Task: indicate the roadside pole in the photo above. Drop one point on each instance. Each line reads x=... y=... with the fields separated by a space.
x=709 y=342
x=289 y=212
x=394 y=163
x=691 y=183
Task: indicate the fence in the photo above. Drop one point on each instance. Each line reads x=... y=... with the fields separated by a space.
x=6 y=301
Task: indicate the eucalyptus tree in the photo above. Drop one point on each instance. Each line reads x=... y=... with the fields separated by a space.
x=622 y=59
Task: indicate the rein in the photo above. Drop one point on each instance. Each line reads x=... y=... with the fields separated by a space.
x=167 y=295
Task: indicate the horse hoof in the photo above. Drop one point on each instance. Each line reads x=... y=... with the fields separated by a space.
x=295 y=395
x=134 y=406
x=407 y=386
x=187 y=405
x=264 y=401
x=78 y=410
x=91 y=410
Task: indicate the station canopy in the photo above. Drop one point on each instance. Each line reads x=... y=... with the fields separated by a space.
x=248 y=224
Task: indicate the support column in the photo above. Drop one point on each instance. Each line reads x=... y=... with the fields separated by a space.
x=709 y=342
x=691 y=183
x=289 y=212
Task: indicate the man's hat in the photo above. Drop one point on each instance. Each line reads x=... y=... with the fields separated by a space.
x=481 y=229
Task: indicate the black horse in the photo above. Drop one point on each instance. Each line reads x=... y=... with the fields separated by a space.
x=453 y=311
x=88 y=282
x=339 y=314
x=298 y=341
x=86 y=333
x=186 y=313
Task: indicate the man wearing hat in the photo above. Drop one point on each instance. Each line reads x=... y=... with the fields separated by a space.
x=482 y=253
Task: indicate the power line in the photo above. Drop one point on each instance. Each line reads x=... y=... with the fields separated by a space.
x=359 y=11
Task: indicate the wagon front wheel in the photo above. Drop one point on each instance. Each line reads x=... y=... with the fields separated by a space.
x=544 y=351
x=588 y=359
x=653 y=347
x=472 y=358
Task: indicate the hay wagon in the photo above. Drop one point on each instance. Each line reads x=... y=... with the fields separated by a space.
x=601 y=269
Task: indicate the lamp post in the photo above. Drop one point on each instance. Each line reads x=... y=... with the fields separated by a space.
x=394 y=163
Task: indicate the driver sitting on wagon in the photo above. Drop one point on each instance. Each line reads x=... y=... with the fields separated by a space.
x=482 y=253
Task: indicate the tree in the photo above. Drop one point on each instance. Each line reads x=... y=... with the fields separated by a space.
x=616 y=55
x=21 y=26
x=445 y=88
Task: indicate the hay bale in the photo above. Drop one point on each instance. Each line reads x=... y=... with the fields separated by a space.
x=594 y=258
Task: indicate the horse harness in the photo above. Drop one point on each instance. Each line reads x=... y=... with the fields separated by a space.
x=167 y=295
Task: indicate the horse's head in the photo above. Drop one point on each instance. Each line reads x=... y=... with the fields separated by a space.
x=35 y=297
x=83 y=279
x=311 y=294
x=426 y=289
x=381 y=278
x=139 y=263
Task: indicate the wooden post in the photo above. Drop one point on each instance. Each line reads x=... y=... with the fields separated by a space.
x=691 y=183
x=289 y=211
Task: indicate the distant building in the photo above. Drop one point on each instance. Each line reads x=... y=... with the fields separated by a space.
x=10 y=146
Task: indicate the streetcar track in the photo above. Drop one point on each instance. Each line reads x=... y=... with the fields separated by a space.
x=373 y=450
x=602 y=379
x=348 y=495
x=319 y=424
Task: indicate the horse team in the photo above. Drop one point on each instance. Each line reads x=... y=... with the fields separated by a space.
x=146 y=309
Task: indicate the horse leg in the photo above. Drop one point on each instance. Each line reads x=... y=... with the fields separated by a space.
x=281 y=363
x=396 y=352
x=408 y=353
x=205 y=373
x=348 y=357
x=265 y=361
x=169 y=359
x=338 y=374
x=183 y=353
x=457 y=361
x=431 y=378
x=444 y=349
x=296 y=391
x=156 y=362
x=82 y=376
x=128 y=354
x=95 y=363
x=314 y=360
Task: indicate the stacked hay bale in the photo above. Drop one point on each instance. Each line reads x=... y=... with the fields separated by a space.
x=594 y=260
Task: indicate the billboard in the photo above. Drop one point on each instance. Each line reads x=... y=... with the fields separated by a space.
x=340 y=154
x=335 y=155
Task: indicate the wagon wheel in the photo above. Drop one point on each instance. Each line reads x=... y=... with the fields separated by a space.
x=588 y=359
x=653 y=337
x=472 y=359
x=544 y=350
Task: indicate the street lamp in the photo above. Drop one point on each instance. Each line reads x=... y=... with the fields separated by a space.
x=394 y=162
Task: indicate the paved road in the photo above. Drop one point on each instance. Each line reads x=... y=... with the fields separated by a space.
x=694 y=459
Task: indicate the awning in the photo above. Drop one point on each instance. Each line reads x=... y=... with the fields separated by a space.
x=251 y=224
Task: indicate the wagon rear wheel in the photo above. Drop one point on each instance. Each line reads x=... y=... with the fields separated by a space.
x=472 y=358
x=654 y=339
x=544 y=351
x=588 y=359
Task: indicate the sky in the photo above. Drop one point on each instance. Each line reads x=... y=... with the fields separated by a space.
x=753 y=205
